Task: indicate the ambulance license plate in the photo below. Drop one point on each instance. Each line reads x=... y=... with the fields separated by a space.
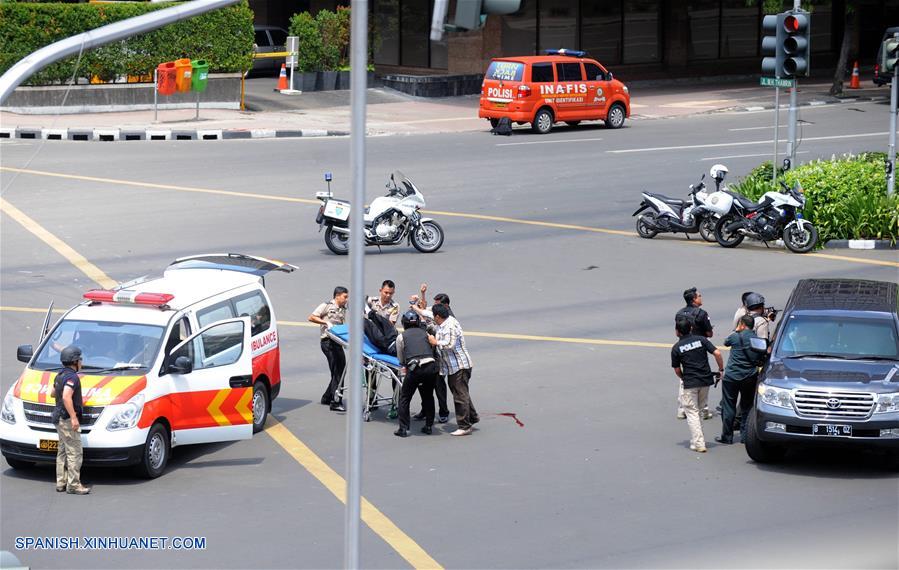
x=48 y=445
x=832 y=430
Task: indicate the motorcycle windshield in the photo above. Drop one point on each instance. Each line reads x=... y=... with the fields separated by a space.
x=403 y=185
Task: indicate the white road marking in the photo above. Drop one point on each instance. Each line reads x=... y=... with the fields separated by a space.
x=745 y=155
x=720 y=145
x=548 y=142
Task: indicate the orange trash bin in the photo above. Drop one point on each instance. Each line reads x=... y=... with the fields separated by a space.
x=165 y=78
x=182 y=75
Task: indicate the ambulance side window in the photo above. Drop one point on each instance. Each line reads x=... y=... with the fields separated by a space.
x=594 y=72
x=215 y=313
x=180 y=332
x=254 y=306
x=220 y=345
x=569 y=72
x=542 y=73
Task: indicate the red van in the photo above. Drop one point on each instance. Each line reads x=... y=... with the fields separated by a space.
x=542 y=90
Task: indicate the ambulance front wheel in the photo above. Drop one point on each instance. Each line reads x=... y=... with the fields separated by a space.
x=156 y=452
x=260 y=406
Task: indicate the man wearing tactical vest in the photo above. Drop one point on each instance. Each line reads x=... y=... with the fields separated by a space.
x=702 y=326
x=421 y=369
x=67 y=415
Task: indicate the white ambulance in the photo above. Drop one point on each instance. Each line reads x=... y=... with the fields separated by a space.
x=189 y=357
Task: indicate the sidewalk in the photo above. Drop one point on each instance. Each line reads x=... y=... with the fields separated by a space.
x=327 y=113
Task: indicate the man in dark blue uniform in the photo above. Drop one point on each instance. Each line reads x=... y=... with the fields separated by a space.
x=67 y=417
x=702 y=326
x=417 y=358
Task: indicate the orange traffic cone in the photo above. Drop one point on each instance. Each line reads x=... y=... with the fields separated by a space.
x=854 y=84
x=282 y=78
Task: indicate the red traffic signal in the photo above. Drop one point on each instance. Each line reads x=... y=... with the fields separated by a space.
x=791 y=24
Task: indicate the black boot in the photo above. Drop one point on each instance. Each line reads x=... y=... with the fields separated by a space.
x=426 y=430
x=401 y=432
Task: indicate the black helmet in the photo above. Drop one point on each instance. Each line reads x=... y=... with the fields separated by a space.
x=411 y=320
x=754 y=300
x=70 y=355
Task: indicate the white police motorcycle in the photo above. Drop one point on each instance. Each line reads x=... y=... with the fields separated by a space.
x=389 y=220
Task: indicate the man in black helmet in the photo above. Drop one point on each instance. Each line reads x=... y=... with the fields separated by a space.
x=67 y=416
x=421 y=369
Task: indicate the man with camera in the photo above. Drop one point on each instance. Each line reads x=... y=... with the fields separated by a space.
x=754 y=304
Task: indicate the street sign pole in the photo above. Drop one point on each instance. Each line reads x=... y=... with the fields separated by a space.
x=891 y=159
x=358 y=85
x=791 y=127
x=776 y=127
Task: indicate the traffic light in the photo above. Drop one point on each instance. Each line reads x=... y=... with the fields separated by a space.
x=787 y=50
x=471 y=14
x=796 y=43
x=889 y=53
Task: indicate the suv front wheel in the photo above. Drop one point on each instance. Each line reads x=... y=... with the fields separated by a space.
x=758 y=450
x=543 y=122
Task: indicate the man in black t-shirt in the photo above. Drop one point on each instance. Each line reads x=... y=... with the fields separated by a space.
x=689 y=358
x=67 y=417
x=702 y=326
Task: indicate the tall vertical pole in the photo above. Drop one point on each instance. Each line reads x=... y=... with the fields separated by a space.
x=791 y=126
x=894 y=97
x=358 y=85
x=776 y=128
x=155 y=95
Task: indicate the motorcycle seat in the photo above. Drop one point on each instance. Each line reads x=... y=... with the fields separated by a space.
x=667 y=199
x=746 y=203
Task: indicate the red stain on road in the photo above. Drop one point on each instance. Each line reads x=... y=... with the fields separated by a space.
x=513 y=416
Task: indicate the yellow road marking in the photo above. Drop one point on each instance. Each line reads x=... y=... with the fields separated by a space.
x=375 y=519
x=29 y=310
x=435 y=212
x=75 y=258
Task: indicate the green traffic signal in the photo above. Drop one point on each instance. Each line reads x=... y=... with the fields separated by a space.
x=889 y=55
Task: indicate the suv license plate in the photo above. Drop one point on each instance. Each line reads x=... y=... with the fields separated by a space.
x=48 y=445
x=832 y=429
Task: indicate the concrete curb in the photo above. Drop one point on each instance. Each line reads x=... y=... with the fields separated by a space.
x=813 y=103
x=108 y=134
x=860 y=244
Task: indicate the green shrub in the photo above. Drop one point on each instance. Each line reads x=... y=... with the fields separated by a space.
x=845 y=196
x=325 y=40
x=223 y=37
x=311 y=55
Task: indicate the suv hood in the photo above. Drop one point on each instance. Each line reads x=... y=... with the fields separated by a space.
x=829 y=373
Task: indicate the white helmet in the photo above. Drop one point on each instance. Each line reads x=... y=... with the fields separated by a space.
x=718 y=172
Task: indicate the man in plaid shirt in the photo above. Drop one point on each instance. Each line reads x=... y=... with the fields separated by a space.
x=456 y=363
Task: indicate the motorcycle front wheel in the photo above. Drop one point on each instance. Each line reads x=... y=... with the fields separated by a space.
x=707 y=229
x=428 y=237
x=643 y=228
x=337 y=242
x=723 y=236
x=800 y=238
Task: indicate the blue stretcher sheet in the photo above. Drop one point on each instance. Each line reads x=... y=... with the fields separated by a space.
x=341 y=332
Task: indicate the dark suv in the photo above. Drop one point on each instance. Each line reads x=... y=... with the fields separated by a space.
x=833 y=375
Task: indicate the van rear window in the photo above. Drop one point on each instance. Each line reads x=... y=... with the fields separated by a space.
x=505 y=71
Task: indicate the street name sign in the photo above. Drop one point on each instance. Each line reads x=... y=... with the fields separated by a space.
x=777 y=82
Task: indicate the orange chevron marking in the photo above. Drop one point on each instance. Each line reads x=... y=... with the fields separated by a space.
x=214 y=408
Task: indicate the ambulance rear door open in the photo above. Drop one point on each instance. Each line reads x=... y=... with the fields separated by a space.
x=211 y=382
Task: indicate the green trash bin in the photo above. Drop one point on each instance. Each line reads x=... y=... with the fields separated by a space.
x=200 y=75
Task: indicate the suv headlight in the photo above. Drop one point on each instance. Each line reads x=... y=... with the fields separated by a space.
x=775 y=396
x=8 y=414
x=128 y=415
x=885 y=403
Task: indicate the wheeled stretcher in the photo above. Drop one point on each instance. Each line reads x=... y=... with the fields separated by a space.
x=381 y=375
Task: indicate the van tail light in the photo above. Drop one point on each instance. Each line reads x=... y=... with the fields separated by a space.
x=523 y=91
x=876 y=70
x=128 y=297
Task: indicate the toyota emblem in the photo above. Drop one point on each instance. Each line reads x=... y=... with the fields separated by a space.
x=834 y=403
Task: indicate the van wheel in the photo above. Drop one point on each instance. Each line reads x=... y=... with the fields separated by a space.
x=615 y=118
x=156 y=452
x=18 y=463
x=493 y=122
x=543 y=122
x=260 y=406
x=758 y=450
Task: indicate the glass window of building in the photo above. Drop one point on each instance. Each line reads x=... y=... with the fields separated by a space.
x=558 y=24
x=601 y=30
x=740 y=29
x=415 y=28
x=387 y=38
x=822 y=27
x=641 y=31
x=520 y=30
x=703 y=25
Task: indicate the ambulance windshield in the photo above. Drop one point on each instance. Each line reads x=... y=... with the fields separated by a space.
x=105 y=346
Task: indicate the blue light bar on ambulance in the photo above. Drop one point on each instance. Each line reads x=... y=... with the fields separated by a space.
x=563 y=51
x=128 y=297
